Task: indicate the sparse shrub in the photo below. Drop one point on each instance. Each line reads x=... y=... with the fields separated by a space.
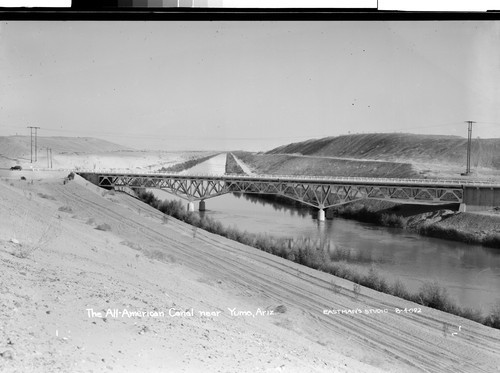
x=340 y=254
x=356 y=288
x=337 y=289
x=90 y=221
x=374 y=281
x=392 y=220
x=132 y=245
x=103 y=227
x=71 y=176
x=493 y=319
x=432 y=295
x=399 y=290
x=23 y=178
x=67 y=209
x=192 y=218
x=280 y=309
x=23 y=251
x=46 y=196
x=446 y=329
x=156 y=255
x=474 y=315
x=160 y=256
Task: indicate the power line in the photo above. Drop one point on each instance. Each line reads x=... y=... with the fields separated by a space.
x=31 y=142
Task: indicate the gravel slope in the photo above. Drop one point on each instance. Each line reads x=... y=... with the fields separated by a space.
x=63 y=266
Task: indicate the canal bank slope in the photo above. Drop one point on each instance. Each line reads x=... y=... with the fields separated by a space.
x=71 y=251
x=434 y=156
x=439 y=221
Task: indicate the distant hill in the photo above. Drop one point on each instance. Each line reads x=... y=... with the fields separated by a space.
x=13 y=147
x=401 y=148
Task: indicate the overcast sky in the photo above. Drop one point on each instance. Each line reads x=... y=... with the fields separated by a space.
x=247 y=85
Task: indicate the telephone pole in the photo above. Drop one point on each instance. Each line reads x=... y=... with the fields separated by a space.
x=36 y=146
x=49 y=157
x=33 y=130
x=470 y=122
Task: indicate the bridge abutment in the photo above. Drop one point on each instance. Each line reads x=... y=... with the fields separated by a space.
x=462 y=207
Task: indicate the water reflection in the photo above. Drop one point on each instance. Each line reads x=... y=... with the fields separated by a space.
x=278 y=205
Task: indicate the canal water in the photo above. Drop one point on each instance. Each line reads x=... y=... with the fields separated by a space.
x=469 y=273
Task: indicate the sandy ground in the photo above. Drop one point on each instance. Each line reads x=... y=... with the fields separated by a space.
x=61 y=284
x=113 y=160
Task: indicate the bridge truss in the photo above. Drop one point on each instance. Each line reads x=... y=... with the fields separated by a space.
x=313 y=191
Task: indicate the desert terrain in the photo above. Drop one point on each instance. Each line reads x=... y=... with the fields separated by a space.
x=74 y=153
x=95 y=280
x=382 y=155
x=73 y=254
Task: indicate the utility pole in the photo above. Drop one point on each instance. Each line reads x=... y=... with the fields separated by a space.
x=33 y=129
x=49 y=157
x=36 y=147
x=467 y=171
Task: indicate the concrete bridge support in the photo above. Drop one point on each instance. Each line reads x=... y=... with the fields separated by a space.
x=481 y=196
x=321 y=215
x=190 y=206
x=202 y=205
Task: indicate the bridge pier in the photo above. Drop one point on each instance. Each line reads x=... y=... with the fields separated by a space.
x=462 y=207
x=202 y=205
x=321 y=215
x=190 y=206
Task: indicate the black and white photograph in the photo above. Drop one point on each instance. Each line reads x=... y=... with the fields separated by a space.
x=258 y=195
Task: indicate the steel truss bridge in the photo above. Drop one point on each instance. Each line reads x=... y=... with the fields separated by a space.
x=318 y=192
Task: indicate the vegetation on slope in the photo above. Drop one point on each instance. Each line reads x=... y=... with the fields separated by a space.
x=313 y=255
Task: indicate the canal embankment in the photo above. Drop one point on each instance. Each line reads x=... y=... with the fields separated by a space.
x=438 y=221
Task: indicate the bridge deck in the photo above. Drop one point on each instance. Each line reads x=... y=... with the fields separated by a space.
x=450 y=183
